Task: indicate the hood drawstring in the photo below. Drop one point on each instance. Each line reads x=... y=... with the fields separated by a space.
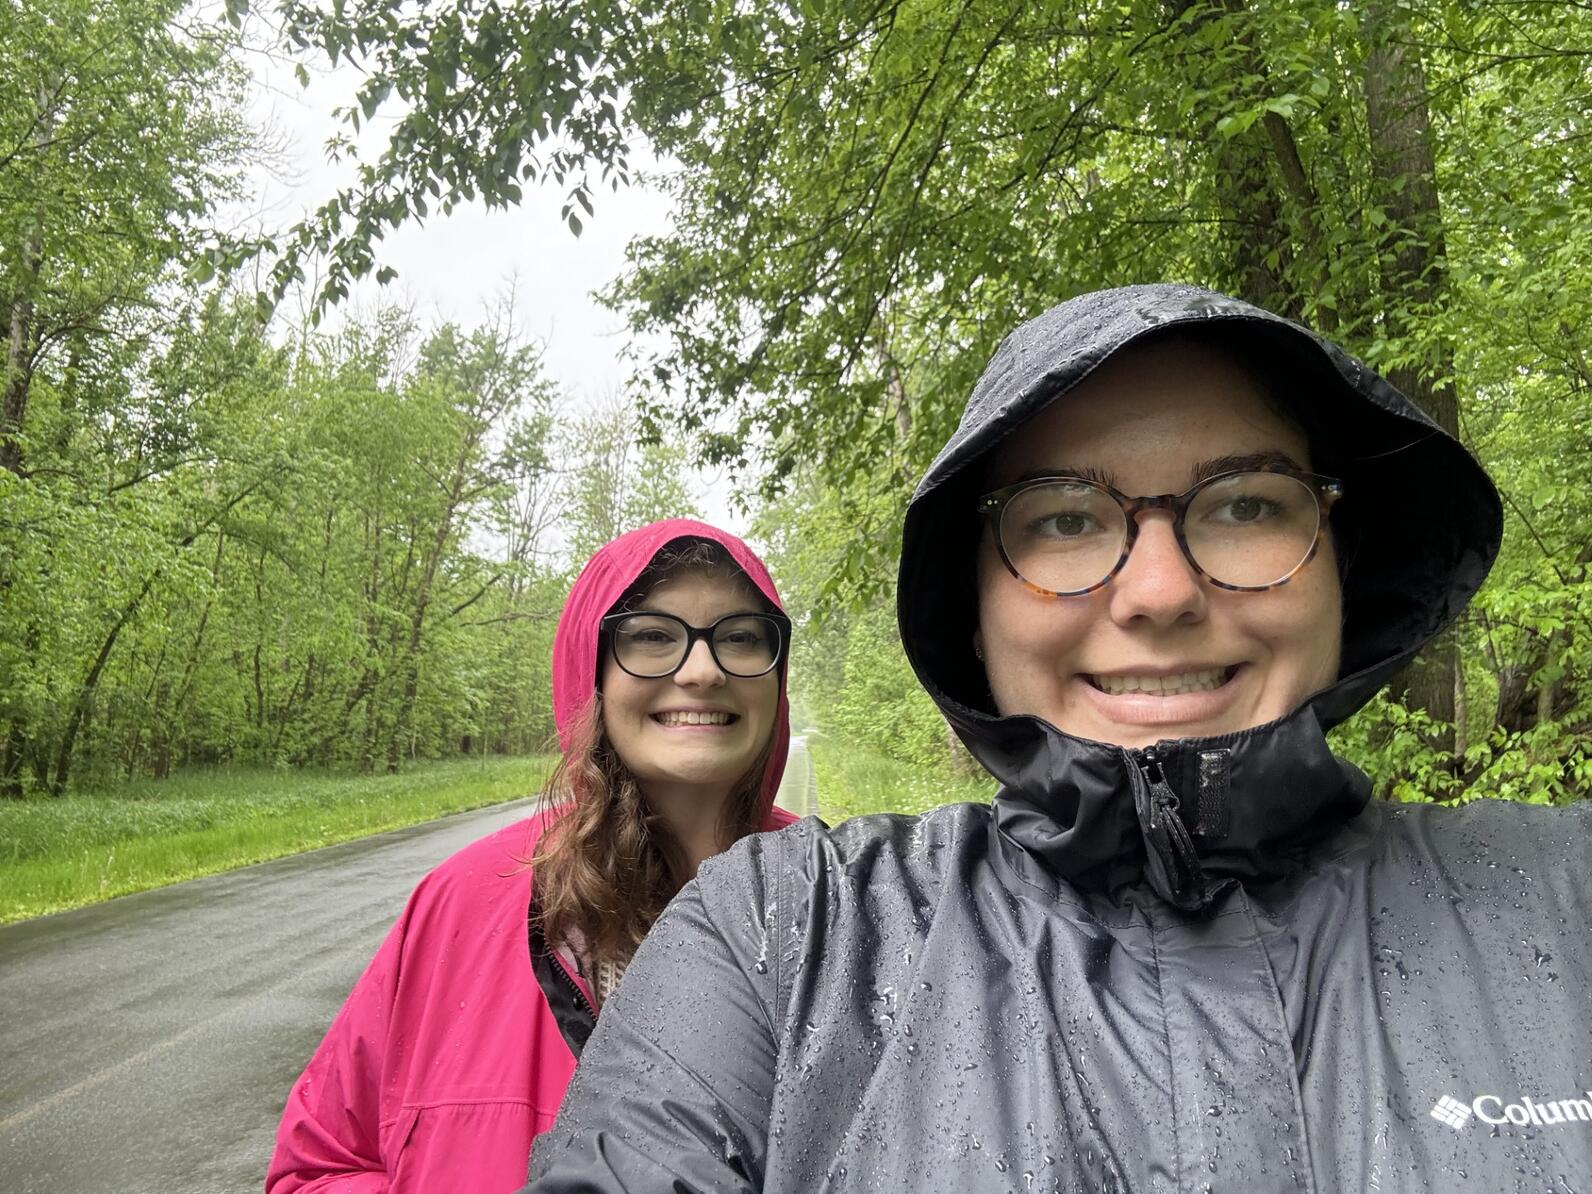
x=1174 y=867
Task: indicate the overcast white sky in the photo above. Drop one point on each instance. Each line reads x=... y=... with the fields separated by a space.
x=455 y=267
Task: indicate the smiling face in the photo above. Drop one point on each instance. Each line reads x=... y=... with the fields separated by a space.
x=1158 y=652
x=692 y=735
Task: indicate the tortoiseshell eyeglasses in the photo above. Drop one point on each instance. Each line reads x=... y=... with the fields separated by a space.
x=1249 y=531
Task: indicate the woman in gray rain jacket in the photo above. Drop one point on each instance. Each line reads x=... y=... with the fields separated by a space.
x=1174 y=540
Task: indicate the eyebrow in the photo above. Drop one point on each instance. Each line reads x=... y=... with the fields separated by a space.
x=1082 y=473
x=1235 y=464
x=1213 y=467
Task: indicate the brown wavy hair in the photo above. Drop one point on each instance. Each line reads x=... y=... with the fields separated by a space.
x=606 y=867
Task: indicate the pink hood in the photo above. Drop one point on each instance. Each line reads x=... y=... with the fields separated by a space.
x=606 y=578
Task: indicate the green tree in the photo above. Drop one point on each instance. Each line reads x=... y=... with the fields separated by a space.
x=619 y=479
x=118 y=137
x=870 y=194
x=117 y=140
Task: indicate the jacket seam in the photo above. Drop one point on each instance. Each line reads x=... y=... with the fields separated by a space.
x=723 y=940
x=1171 y=1063
x=1293 y=1073
x=433 y=1104
x=775 y=946
x=1051 y=896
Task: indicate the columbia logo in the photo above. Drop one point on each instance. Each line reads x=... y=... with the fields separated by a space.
x=1491 y=1109
x=1451 y=1111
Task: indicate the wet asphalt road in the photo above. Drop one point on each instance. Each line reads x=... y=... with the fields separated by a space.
x=149 y=1042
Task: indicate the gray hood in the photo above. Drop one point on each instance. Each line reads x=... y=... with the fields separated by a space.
x=1418 y=528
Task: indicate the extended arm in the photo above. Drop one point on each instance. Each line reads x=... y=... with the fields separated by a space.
x=674 y=1087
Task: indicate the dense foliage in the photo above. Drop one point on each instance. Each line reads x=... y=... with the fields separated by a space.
x=870 y=193
x=339 y=553
x=357 y=557
x=224 y=540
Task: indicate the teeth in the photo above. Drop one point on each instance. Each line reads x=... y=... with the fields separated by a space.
x=694 y=719
x=1162 y=685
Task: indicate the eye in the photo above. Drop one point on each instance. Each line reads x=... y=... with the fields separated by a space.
x=1063 y=524
x=1057 y=515
x=1245 y=509
x=649 y=634
x=647 y=638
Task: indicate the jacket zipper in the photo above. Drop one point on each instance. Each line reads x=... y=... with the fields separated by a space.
x=1163 y=801
x=563 y=973
x=1166 y=831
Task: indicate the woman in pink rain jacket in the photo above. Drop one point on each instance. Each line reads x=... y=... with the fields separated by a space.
x=455 y=1045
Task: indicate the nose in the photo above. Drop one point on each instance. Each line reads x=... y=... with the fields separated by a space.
x=700 y=669
x=1157 y=584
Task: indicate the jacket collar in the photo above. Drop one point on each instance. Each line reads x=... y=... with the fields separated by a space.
x=1182 y=817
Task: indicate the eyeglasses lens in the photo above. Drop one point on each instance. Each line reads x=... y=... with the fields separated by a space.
x=649 y=645
x=1063 y=536
x=1248 y=529
x=1252 y=529
x=746 y=646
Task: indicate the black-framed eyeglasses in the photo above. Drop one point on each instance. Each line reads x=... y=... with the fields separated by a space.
x=1249 y=530
x=652 y=645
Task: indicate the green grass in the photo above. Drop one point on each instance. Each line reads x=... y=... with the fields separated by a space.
x=79 y=849
x=853 y=781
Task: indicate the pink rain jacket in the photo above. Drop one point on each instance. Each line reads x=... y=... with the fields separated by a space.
x=446 y=1060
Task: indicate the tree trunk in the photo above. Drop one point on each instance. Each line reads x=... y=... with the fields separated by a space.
x=85 y=692
x=458 y=483
x=17 y=746
x=19 y=352
x=19 y=322
x=156 y=715
x=1306 y=206
x=11 y=762
x=1255 y=246
x=1254 y=234
x=56 y=784
x=1413 y=275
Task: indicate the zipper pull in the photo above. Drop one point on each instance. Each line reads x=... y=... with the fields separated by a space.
x=1168 y=837
x=1163 y=801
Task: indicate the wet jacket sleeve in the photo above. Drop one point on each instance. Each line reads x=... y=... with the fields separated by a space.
x=330 y=1135
x=673 y=1089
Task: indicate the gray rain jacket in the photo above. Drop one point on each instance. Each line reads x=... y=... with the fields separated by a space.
x=1215 y=965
